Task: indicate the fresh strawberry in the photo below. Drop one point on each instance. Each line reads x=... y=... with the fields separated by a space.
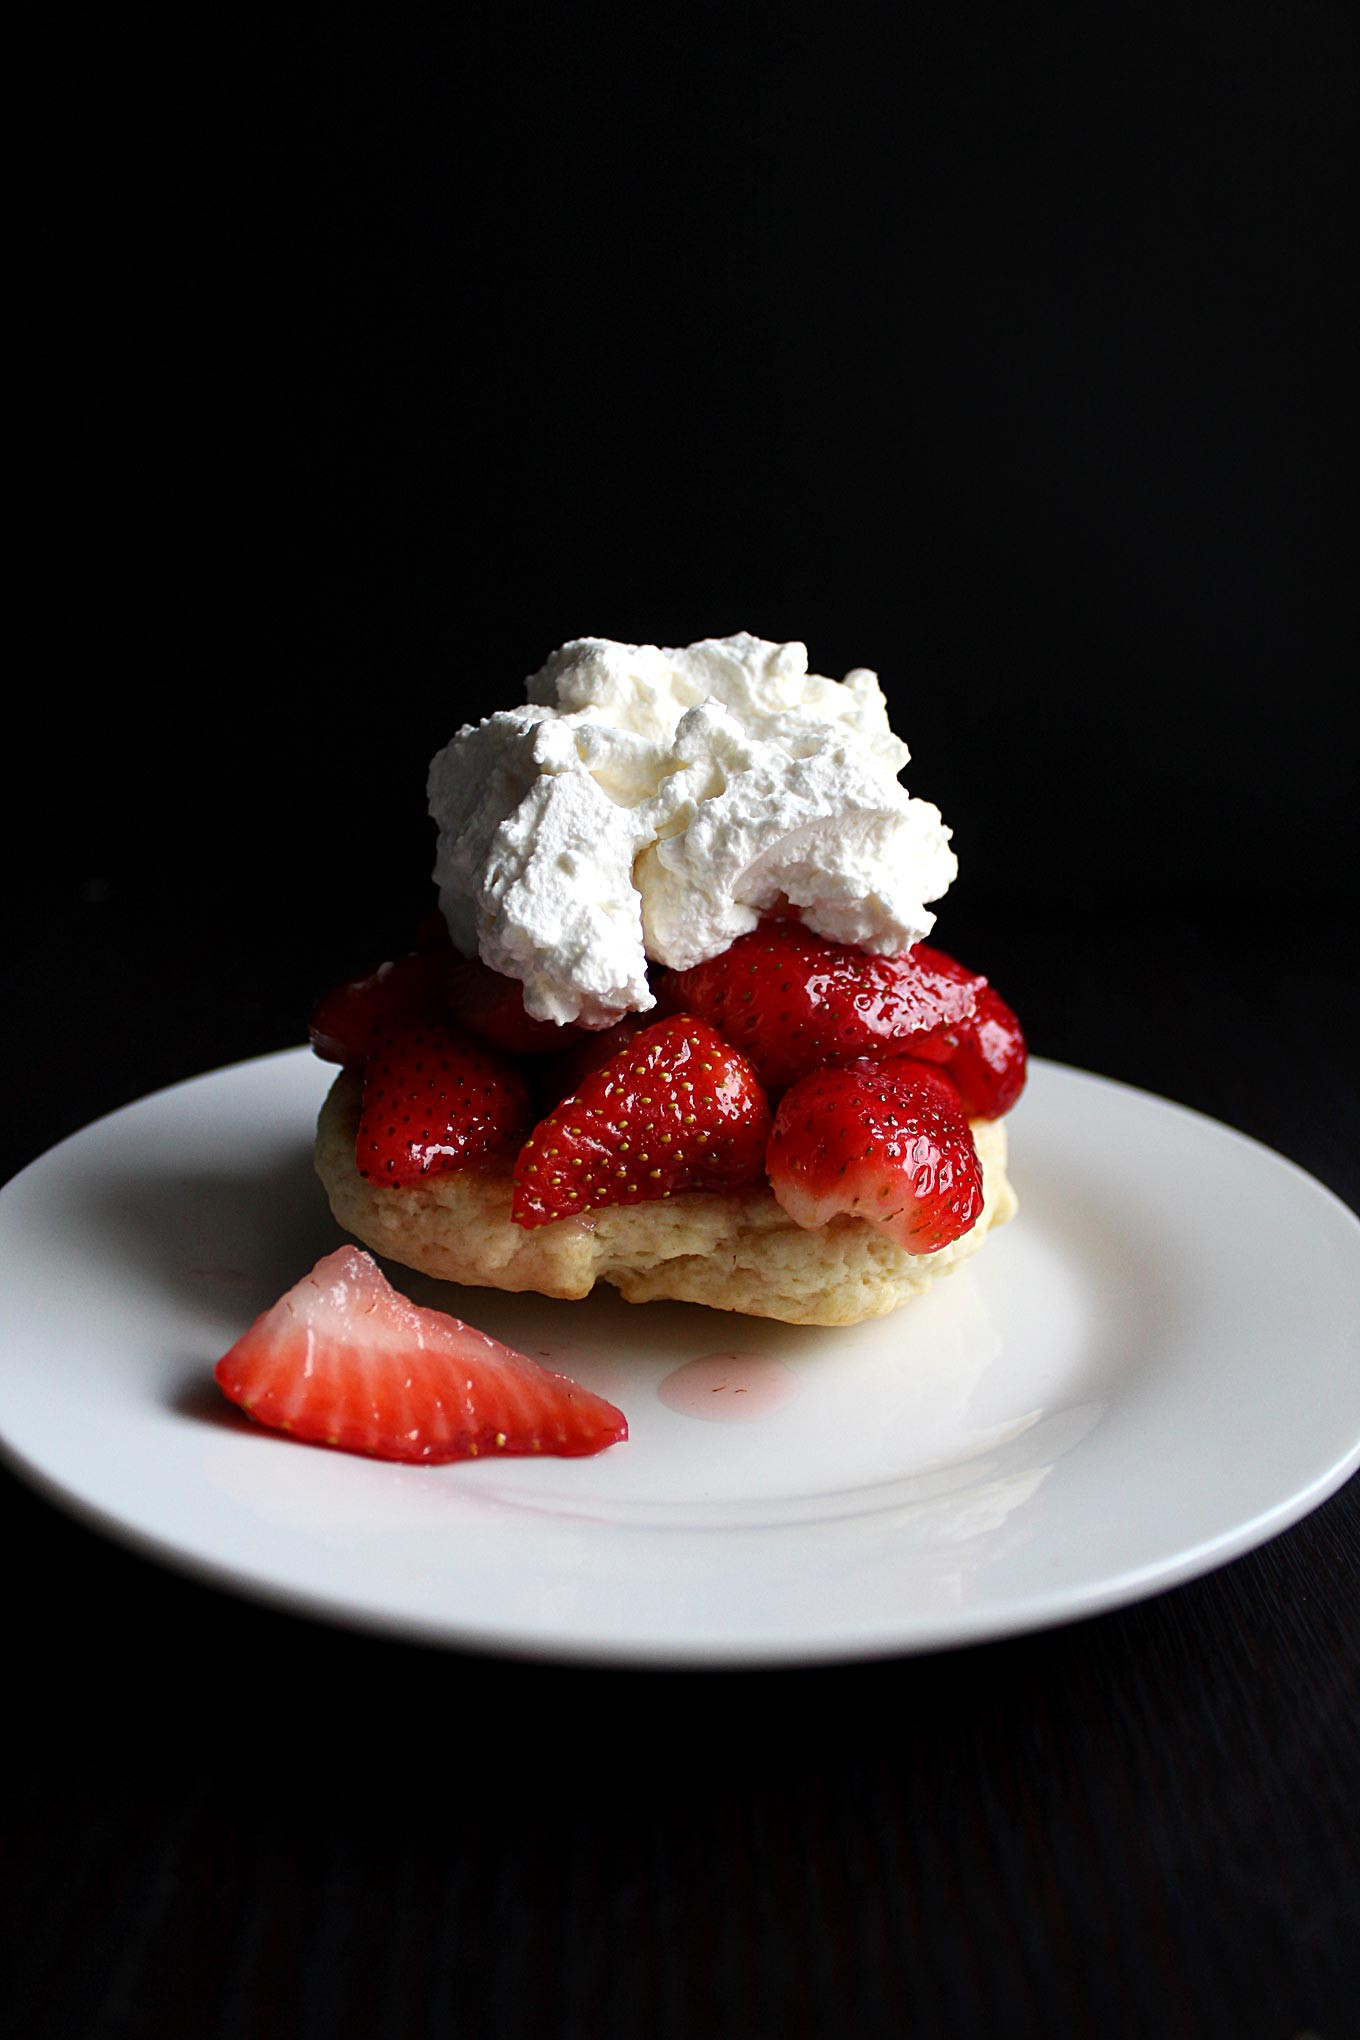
x=675 y=1109
x=884 y=1141
x=567 y=1072
x=492 y=1007
x=344 y=1359
x=408 y=988
x=435 y=1100
x=986 y=1056
x=791 y=1001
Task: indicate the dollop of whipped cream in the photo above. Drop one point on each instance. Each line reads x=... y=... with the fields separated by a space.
x=654 y=804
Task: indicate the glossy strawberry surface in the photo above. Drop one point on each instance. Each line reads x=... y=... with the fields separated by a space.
x=792 y=1002
x=435 y=1100
x=407 y=988
x=677 y=1108
x=562 y=1074
x=887 y=1142
x=492 y=1007
x=986 y=1056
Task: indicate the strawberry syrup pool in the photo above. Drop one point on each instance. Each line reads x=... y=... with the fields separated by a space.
x=728 y=1388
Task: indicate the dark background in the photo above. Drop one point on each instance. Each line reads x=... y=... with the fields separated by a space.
x=362 y=361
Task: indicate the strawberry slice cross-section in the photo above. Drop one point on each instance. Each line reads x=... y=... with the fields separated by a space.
x=676 y=1108
x=343 y=1359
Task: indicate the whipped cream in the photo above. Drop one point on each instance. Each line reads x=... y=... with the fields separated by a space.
x=651 y=804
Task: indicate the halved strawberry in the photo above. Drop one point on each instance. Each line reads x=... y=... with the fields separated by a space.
x=883 y=1141
x=492 y=1007
x=791 y=1001
x=567 y=1072
x=675 y=1109
x=986 y=1056
x=435 y=1100
x=345 y=1018
x=344 y=1359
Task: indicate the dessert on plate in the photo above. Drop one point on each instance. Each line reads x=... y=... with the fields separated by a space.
x=676 y=1025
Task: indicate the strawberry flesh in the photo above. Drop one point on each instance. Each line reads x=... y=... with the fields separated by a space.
x=435 y=1100
x=345 y=1360
x=884 y=1141
x=791 y=1001
x=677 y=1108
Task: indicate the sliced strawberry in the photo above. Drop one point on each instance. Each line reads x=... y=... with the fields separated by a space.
x=492 y=1007
x=435 y=1100
x=883 y=1141
x=344 y=1359
x=408 y=988
x=567 y=1072
x=675 y=1109
x=791 y=1001
x=985 y=1056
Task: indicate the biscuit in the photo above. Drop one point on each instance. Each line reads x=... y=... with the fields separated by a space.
x=738 y=1252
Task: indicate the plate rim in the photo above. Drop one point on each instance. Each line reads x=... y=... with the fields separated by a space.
x=1032 y=1613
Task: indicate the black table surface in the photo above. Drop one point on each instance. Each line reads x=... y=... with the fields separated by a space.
x=224 y=1820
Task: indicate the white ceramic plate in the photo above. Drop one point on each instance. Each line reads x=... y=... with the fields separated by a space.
x=1151 y=1370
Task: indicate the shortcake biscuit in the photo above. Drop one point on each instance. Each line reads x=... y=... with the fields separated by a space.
x=737 y=1252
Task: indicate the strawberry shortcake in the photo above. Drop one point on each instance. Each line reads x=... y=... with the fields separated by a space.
x=676 y=1026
